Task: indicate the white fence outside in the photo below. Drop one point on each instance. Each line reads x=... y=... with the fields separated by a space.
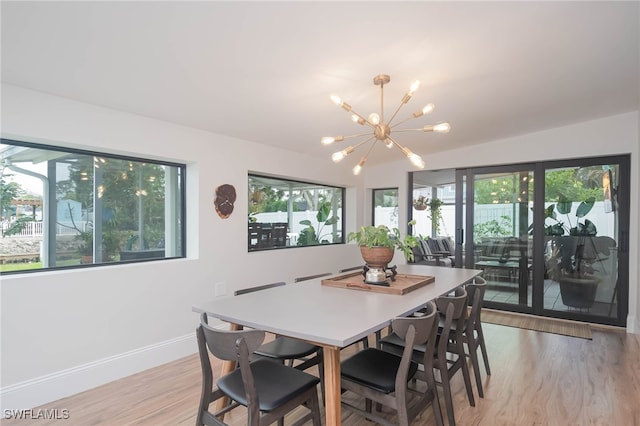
x=36 y=229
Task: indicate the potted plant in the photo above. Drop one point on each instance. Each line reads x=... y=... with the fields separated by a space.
x=382 y=241
x=421 y=203
x=572 y=253
x=377 y=244
x=435 y=214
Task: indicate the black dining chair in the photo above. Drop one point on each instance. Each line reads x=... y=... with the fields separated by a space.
x=449 y=355
x=267 y=389
x=384 y=377
x=287 y=349
x=472 y=335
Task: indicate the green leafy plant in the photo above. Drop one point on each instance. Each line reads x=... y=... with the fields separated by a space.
x=435 y=214
x=568 y=257
x=563 y=207
x=382 y=236
x=309 y=236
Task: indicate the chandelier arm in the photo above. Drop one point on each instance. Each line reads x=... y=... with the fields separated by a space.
x=409 y=130
x=395 y=143
x=382 y=102
x=396 y=113
x=353 y=136
x=411 y=117
x=359 y=144
x=366 y=120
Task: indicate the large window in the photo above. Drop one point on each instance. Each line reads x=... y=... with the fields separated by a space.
x=65 y=208
x=287 y=213
x=385 y=207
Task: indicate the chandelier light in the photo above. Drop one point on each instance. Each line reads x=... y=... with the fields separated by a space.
x=381 y=129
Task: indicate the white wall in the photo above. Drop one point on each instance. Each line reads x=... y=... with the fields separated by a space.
x=67 y=331
x=606 y=136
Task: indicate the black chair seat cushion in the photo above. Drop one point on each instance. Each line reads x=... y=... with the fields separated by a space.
x=375 y=369
x=275 y=383
x=286 y=348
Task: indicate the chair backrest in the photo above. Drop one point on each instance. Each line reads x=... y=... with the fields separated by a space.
x=351 y=268
x=416 y=330
x=279 y=234
x=458 y=299
x=311 y=277
x=227 y=346
x=223 y=343
x=475 y=291
x=257 y=288
x=422 y=324
x=454 y=308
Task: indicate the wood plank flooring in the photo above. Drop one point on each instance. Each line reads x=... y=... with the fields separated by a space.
x=538 y=379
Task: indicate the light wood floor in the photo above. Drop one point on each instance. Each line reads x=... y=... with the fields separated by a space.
x=538 y=379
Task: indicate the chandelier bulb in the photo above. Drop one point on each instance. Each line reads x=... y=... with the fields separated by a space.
x=415 y=159
x=442 y=128
x=336 y=100
x=328 y=140
x=427 y=109
x=388 y=143
x=357 y=119
x=339 y=155
x=358 y=168
x=414 y=87
x=374 y=118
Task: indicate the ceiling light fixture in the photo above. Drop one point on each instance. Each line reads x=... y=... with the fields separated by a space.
x=382 y=129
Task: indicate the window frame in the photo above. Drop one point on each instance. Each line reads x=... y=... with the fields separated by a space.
x=180 y=228
x=373 y=201
x=342 y=208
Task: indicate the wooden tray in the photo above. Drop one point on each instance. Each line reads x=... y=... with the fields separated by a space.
x=403 y=284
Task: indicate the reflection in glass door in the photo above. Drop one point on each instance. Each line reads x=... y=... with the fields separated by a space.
x=500 y=239
x=581 y=239
x=554 y=247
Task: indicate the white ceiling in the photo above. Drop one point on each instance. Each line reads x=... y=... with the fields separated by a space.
x=263 y=71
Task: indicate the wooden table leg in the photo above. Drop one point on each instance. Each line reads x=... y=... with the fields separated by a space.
x=227 y=367
x=332 y=385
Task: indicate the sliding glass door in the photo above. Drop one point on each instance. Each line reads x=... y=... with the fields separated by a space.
x=498 y=231
x=550 y=237
x=583 y=229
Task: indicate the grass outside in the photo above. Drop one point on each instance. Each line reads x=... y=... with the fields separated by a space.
x=27 y=266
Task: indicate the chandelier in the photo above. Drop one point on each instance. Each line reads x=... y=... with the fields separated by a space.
x=381 y=129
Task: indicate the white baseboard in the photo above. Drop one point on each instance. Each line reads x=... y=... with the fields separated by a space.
x=51 y=387
x=633 y=325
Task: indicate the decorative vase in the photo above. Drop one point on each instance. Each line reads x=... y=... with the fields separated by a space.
x=377 y=259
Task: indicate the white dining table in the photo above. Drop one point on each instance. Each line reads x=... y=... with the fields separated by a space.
x=330 y=317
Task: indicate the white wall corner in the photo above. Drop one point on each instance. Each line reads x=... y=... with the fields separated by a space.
x=633 y=324
x=52 y=387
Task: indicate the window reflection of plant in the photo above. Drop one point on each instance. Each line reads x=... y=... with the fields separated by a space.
x=309 y=235
x=493 y=228
x=124 y=185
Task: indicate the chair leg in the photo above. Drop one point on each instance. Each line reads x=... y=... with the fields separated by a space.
x=473 y=354
x=314 y=406
x=483 y=347
x=435 y=402
x=446 y=387
x=467 y=379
